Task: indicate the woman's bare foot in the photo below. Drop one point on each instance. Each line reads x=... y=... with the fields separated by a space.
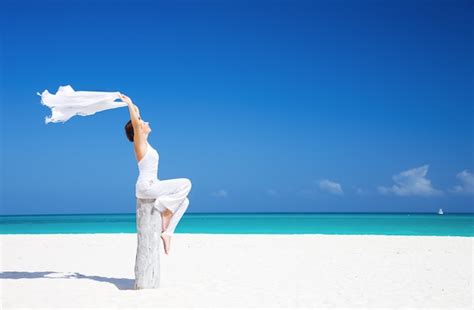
x=165 y=219
x=166 y=242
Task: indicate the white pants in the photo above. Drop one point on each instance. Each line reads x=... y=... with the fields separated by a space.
x=169 y=194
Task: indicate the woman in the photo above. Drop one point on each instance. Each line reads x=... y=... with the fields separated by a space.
x=171 y=195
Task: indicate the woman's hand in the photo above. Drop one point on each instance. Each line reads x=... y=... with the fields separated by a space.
x=134 y=112
x=126 y=99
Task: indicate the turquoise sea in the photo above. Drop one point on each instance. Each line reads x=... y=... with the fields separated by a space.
x=252 y=223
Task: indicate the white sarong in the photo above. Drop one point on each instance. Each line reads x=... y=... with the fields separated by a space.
x=67 y=102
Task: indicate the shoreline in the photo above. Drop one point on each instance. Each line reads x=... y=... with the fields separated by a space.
x=237 y=234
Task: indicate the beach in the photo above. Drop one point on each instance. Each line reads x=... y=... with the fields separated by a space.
x=239 y=270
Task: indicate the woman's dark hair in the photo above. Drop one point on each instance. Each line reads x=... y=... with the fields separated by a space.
x=129 y=130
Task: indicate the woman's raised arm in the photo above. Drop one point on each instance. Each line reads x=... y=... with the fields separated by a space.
x=134 y=112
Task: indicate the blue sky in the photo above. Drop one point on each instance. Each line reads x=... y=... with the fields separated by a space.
x=267 y=106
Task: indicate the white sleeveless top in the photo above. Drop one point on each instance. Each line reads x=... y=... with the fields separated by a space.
x=148 y=165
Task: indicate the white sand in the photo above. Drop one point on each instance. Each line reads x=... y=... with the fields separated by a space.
x=205 y=270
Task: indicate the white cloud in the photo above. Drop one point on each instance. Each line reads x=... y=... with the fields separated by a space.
x=220 y=193
x=411 y=182
x=331 y=187
x=467 y=180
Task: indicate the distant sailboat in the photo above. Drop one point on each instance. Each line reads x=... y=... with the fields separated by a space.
x=440 y=211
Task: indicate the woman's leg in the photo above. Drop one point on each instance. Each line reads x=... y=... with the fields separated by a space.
x=169 y=194
x=176 y=217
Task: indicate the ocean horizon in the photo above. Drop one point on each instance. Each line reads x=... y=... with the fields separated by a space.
x=407 y=224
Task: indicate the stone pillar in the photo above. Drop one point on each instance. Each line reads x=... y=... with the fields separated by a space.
x=147 y=261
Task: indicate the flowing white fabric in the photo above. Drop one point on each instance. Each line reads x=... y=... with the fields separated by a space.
x=67 y=102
